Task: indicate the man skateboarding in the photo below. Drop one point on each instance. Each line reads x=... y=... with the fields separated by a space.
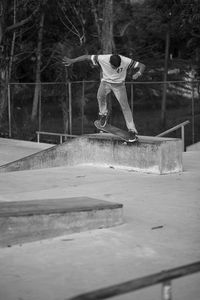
x=114 y=69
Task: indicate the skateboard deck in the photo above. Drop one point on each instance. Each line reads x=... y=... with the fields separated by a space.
x=122 y=134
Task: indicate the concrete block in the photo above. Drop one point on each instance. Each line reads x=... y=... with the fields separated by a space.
x=151 y=154
x=26 y=221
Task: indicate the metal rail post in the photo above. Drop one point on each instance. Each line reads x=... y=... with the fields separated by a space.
x=38 y=137
x=193 y=113
x=9 y=112
x=82 y=107
x=181 y=125
x=183 y=137
x=39 y=109
x=167 y=290
x=70 y=107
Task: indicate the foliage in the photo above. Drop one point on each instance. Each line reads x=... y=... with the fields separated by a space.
x=74 y=27
x=72 y=30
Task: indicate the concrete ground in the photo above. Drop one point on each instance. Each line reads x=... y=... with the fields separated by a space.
x=161 y=230
x=11 y=150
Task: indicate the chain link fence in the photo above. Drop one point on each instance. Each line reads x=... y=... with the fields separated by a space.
x=71 y=107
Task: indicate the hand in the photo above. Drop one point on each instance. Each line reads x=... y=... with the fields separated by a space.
x=67 y=61
x=136 y=75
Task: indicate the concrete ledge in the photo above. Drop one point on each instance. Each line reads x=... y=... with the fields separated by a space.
x=151 y=154
x=26 y=221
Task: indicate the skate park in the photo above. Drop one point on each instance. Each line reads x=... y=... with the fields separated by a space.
x=135 y=221
x=84 y=214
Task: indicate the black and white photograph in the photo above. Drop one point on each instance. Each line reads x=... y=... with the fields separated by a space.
x=99 y=149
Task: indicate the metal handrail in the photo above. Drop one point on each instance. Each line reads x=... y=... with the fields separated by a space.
x=181 y=125
x=163 y=277
x=61 y=135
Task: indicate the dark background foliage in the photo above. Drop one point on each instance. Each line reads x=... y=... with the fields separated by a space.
x=34 y=37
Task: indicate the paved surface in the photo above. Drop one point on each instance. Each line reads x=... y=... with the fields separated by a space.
x=11 y=150
x=56 y=269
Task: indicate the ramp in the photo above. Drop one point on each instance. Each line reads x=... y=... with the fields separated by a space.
x=26 y=221
x=12 y=149
x=151 y=154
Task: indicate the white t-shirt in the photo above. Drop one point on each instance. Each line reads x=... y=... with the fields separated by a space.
x=113 y=75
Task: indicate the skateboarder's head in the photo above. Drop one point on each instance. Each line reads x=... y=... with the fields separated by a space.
x=115 y=61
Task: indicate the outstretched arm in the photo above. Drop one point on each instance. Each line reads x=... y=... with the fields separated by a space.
x=69 y=61
x=139 y=73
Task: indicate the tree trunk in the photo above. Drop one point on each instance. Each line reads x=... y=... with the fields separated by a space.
x=12 y=43
x=107 y=40
x=3 y=90
x=164 y=96
x=3 y=62
x=96 y=17
x=37 y=91
x=107 y=28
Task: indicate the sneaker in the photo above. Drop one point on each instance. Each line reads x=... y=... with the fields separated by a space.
x=132 y=136
x=103 y=120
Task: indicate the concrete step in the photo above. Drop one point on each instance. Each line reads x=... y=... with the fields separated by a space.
x=26 y=221
x=150 y=154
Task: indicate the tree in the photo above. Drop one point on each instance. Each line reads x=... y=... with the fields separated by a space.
x=37 y=92
x=107 y=40
x=8 y=27
x=3 y=57
x=30 y=35
x=190 y=27
x=166 y=11
x=12 y=42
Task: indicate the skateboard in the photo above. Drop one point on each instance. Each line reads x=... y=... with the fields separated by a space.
x=122 y=134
